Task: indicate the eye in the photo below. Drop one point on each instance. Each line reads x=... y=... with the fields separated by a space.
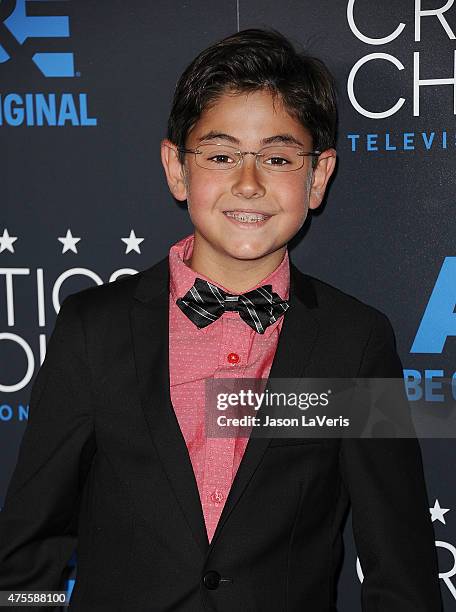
x=222 y=159
x=276 y=161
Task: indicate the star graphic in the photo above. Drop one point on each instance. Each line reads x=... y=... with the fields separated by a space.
x=6 y=242
x=69 y=243
x=132 y=243
x=437 y=512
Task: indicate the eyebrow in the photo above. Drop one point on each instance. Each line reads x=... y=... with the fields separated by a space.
x=277 y=138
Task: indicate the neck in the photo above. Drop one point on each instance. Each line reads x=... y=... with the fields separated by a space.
x=236 y=275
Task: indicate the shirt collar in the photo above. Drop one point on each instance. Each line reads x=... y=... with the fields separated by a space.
x=182 y=277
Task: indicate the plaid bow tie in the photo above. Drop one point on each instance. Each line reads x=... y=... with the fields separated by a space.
x=204 y=303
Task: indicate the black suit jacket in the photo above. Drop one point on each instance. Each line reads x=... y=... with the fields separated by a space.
x=103 y=465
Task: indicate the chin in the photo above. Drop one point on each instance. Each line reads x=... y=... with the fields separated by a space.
x=246 y=252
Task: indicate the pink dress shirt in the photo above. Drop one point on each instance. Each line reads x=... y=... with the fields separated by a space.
x=199 y=354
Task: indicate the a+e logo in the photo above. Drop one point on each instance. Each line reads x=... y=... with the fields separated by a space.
x=16 y=26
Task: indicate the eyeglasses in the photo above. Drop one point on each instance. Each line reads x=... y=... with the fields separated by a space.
x=281 y=158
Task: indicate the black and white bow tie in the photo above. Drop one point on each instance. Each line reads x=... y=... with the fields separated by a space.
x=204 y=303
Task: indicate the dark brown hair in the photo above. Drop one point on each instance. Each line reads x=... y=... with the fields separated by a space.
x=251 y=60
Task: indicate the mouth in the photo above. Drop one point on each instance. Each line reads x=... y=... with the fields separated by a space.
x=247 y=216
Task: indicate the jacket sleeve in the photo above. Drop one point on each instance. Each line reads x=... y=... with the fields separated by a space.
x=38 y=522
x=391 y=522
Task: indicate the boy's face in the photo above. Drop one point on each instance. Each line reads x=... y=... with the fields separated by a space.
x=284 y=197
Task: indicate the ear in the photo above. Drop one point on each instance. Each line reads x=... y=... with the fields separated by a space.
x=321 y=175
x=174 y=170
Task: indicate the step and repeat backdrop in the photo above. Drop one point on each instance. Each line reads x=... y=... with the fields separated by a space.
x=85 y=90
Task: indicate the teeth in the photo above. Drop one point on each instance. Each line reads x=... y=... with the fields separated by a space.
x=246 y=217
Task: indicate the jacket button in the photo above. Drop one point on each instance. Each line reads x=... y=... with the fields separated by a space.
x=211 y=580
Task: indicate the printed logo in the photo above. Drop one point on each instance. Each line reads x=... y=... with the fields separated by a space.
x=22 y=26
x=437 y=327
x=410 y=69
x=439 y=319
x=18 y=24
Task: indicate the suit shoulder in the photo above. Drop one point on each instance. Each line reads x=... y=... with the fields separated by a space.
x=115 y=295
x=104 y=298
x=342 y=306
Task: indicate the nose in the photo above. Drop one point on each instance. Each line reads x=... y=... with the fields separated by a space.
x=247 y=180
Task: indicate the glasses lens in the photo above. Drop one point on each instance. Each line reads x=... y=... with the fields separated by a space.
x=217 y=156
x=281 y=158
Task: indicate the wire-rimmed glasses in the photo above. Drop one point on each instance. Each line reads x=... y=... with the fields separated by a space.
x=276 y=158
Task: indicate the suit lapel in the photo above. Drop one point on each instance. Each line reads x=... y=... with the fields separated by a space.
x=296 y=341
x=150 y=321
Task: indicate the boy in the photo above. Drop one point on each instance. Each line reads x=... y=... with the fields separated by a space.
x=166 y=519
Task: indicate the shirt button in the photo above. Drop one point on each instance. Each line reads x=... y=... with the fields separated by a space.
x=217 y=496
x=233 y=358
